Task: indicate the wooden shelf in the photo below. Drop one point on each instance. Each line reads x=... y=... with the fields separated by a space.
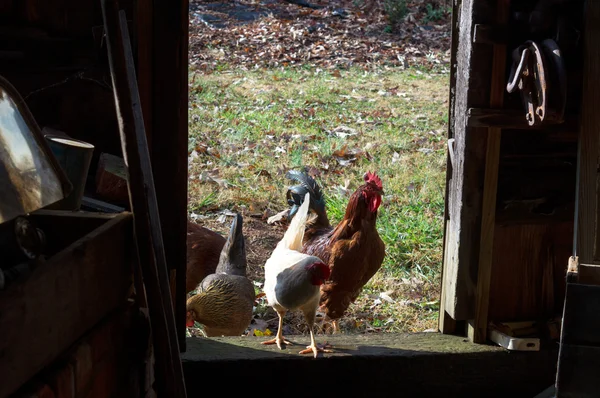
x=515 y=119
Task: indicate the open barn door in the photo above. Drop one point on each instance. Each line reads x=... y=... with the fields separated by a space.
x=469 y=87
x=510 y=193
x=579 y=355
x=477 y=85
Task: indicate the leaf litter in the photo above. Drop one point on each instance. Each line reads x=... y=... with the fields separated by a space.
x=273 y=33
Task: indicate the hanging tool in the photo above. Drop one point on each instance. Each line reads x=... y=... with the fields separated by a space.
x=538 y=72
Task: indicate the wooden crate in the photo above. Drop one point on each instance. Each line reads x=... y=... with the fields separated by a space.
x=87 y=274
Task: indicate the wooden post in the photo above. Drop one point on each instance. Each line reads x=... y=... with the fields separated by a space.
x=170 y=138
x=477 y=328
x=446 y=324
x=147 y=226
x=588 y=236
x=463 y=200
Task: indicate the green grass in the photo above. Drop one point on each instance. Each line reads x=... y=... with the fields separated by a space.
x=248 y=127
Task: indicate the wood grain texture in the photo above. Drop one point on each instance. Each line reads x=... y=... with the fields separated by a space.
x=463 y=202
x=148 y=231
x=515 y=119
x=587 y=231
x=478 y=327
x=446 y=324
x=528 y=278
x=170 y=138
x=63 y=298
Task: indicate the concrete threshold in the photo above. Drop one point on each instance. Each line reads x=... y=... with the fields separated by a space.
x=408 y=365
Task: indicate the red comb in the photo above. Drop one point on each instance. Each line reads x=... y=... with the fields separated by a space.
x=373 y=179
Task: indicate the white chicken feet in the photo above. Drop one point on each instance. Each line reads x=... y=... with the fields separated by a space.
x=315 y=349
x=279 y=340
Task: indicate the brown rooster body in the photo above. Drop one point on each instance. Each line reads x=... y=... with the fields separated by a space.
x=353 y=249
x=203 y=251
x=225 y=299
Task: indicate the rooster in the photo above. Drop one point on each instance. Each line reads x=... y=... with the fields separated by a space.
x=292 y=280
x=225 y=299
x=353 y=249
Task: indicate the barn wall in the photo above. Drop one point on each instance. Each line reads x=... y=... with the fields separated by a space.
x=52 y=52
x=109 y=361
x=528 y=236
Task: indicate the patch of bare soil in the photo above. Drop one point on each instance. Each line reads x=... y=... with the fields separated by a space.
x=261 y=239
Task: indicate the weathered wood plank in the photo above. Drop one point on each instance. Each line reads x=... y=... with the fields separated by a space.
x=432 y=365
x=463 y=202
x=148 y=231
x=63 y=298
x=587 y=232
x=478 y=327
x=143 y=20
x=515 y=119
x=446 y=324
x=528 y=272
x=170 y=138
x=72 y=225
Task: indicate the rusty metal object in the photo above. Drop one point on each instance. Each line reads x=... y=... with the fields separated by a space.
x=539 y=74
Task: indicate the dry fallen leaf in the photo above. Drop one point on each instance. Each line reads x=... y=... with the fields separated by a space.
x=212 y=176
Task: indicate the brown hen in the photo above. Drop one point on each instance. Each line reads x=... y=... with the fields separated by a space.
x=225 y=299
x=203 y=250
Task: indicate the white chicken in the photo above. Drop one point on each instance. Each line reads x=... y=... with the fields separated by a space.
x=293 y=280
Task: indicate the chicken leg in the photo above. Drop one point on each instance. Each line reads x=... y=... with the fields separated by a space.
x=279 y=339
x=313 y=347
x=336 y=326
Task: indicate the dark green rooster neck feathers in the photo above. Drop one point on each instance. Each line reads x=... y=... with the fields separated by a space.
x=233 y=255
x=295 y=196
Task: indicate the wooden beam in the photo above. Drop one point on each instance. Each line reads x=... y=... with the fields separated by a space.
x=588 y=235
x=148 y=231
x=515 y=119
x=170 y=138
x=477 y=329
x=463 y=200
x=43 y=315
x=144 y=41
x=446 y=324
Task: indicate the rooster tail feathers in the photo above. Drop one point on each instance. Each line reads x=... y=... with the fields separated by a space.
x=233 y=255
x=292 y=239
x=295 y=194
